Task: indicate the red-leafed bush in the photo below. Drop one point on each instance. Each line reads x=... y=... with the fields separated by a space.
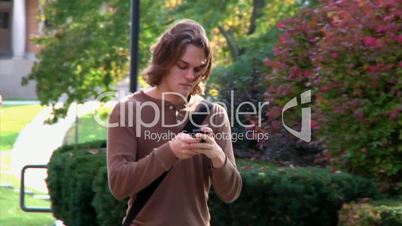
x=349 y=54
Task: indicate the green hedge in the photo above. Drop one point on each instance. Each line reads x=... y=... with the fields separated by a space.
x=290 y=196
x=71 y=171
x=379 y=213
x=111 y=211
x=77 y=181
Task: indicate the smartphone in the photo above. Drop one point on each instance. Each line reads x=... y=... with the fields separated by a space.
x=195 y=131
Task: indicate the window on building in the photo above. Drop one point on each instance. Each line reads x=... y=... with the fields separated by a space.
x=4 y=20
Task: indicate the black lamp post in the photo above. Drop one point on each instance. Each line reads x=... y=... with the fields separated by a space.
x=135 y=28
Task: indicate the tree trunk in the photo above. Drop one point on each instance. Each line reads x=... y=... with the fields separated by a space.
x=234 y=49
x=258 y=7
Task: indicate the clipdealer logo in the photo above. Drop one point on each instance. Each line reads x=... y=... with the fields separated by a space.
x=128 y=120
x=305 y=133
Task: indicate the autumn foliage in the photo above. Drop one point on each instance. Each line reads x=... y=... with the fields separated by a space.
x=349 y=54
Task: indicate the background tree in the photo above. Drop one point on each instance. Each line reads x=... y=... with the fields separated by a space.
x=85 y=48
x=256 y=34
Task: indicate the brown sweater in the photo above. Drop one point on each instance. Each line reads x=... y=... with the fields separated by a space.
x=135 y=158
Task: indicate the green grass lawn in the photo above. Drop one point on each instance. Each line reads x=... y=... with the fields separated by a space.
x=12 y=215
x=10 y=211
x=12 y=119
x=88 y=130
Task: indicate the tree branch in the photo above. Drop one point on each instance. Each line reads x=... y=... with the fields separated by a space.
x=234 y=50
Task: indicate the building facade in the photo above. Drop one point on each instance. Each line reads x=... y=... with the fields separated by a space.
x=19 y=23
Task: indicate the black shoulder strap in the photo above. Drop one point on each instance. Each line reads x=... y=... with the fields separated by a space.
x=143 y=196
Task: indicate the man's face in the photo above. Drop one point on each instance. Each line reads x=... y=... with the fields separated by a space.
x=184 y=75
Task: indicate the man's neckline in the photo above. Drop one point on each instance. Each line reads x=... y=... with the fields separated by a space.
x=167 y=102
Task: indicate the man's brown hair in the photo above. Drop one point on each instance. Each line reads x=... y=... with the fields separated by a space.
x=171 y=46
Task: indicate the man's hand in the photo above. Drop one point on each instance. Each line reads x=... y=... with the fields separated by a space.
x=208 y=147
x=181 y=146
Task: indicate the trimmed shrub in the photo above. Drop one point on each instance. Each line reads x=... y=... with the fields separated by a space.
x=71 y=171
x=371 y=214
x=109 y=211
x=290 y=196
x=271 y=196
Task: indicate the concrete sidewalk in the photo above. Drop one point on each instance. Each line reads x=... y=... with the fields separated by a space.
x=37 y=141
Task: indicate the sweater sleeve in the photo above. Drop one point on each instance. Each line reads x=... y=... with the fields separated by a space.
x=226 y=180
x=126 y=174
